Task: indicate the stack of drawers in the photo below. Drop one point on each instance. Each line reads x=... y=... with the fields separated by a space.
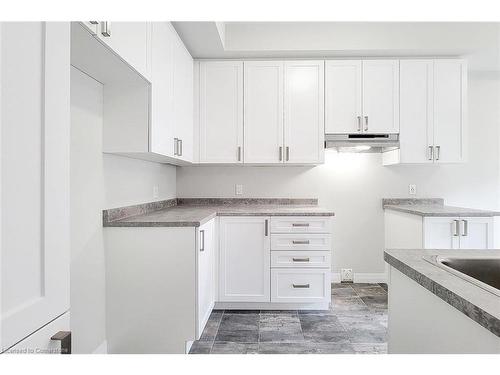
x=300 y=259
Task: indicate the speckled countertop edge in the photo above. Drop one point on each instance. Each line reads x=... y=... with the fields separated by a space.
x=433 y=207
x=485 y=319
x=193 y=212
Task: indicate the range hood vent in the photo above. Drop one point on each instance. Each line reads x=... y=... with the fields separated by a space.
x=362 y=142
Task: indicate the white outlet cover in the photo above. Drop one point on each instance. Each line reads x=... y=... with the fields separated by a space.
x=412 y=189
x=238 y=189
x=346 y=274
x=156 y=191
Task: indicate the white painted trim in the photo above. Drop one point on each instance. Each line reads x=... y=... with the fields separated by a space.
x=365 y=277
x=102 y=348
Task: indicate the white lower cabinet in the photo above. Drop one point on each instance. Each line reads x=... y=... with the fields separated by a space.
x=458 y=233
x=300 y=285
x=244 y=259
x=301 y=259
x=205 y=275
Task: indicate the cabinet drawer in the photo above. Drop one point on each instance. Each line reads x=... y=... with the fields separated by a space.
x=300 y=224
x=301 y=259
x=300 y=285
x=300 y=241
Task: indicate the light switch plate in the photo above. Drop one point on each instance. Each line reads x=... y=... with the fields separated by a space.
x=412 y=189
x=238 y=189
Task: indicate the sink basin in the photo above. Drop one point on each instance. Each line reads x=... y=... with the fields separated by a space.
x=483 y=271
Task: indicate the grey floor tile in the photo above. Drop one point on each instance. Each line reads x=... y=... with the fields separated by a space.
x=234 y=348
x=371 y=291
x=367 y=335
x=212 y=326
x=384 y=286
x=235 y=322
x=329 y=348
x=200 y=347
x=241 y=311
x=322 y=328
x=378 y=302
x=280 y=328
x=287 y=348
x=238 y=336
x=363 y=285
x=370 y=348
x=341 y=285
x=271 y=312
x=316 y=312
x=344 y=292
x=348 y=305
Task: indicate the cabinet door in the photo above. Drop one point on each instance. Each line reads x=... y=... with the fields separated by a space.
x=416 y=112
x=441 y=233
x=343 y=96
x=34 y=154
x=304 y=112
x=162 y=89
x=206 y=280
x=244 y=268
x=263 y=112
x=380 y=96
x=91 y=26
x=221 y=111
x=476 y=233
x=449 y=107
x=183 y=99
x=131 y=41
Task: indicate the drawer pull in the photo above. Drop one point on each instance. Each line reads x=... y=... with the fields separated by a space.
x=300 y=259
x=300 y=224
x=301 y=242
x=301 y=286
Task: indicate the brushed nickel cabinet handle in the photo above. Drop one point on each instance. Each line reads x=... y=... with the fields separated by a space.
x=301 y=286
x=300 y=259
x=202 y=240
x=431 y=153
x=239 y=153
x=266 y=228
x=180 y=147
x=287 y=153
x=359 y=123
x=465 y=232
x=438 y=152
x=300 y=224
x=456 y=228
x=176 y=146
x=366 y=123
x=280 y=153
x=65 y=338
x=300 y=242
x=106 y=29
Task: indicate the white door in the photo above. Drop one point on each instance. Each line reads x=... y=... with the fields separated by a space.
x=441 y=233
x=416 y=112
x=304 y=112
x=380 y=96
x=34 y=176
x=244 y=263
x=205 y=274
x=183 y=99
x=476 y=232
x=263 y=112
x=221 y=111
x=449 y=107
x=131 y=41
x=162 y=89
x=343 y=96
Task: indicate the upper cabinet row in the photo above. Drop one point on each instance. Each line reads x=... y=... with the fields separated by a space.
x=261 y=112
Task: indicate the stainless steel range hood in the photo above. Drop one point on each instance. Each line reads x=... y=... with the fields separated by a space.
x=362 y=142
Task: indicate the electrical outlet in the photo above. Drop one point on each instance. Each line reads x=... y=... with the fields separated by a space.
x=346 y=275
x=412 y=189
x=238 y=189
x=156 y=193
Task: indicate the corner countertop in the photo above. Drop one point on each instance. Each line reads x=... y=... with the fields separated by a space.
x=433 y=207
x=195 y=212
x=475 y=302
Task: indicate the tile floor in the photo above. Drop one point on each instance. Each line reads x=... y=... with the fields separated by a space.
x=356 y=323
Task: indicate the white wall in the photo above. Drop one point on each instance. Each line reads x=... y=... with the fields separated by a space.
x=99 y=181
x=354 y=184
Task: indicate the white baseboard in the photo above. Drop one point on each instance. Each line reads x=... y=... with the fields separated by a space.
x=359 y=277
x=102 y=348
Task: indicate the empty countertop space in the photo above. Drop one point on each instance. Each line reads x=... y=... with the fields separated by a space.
x=433 y=207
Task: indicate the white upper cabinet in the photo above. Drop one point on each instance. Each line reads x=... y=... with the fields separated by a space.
x=343 y=110
x=183 y=100
x=263 y=113
x=131 y=41
x=380 y=96
x=162 y=89
x=221 y=112
x=432 y=114
x=304 y=112
x=449 y=108
x=416 y=120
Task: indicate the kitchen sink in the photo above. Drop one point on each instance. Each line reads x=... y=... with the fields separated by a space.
x=483 y=271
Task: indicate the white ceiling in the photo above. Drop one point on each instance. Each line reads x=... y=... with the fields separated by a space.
x=479 y=42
